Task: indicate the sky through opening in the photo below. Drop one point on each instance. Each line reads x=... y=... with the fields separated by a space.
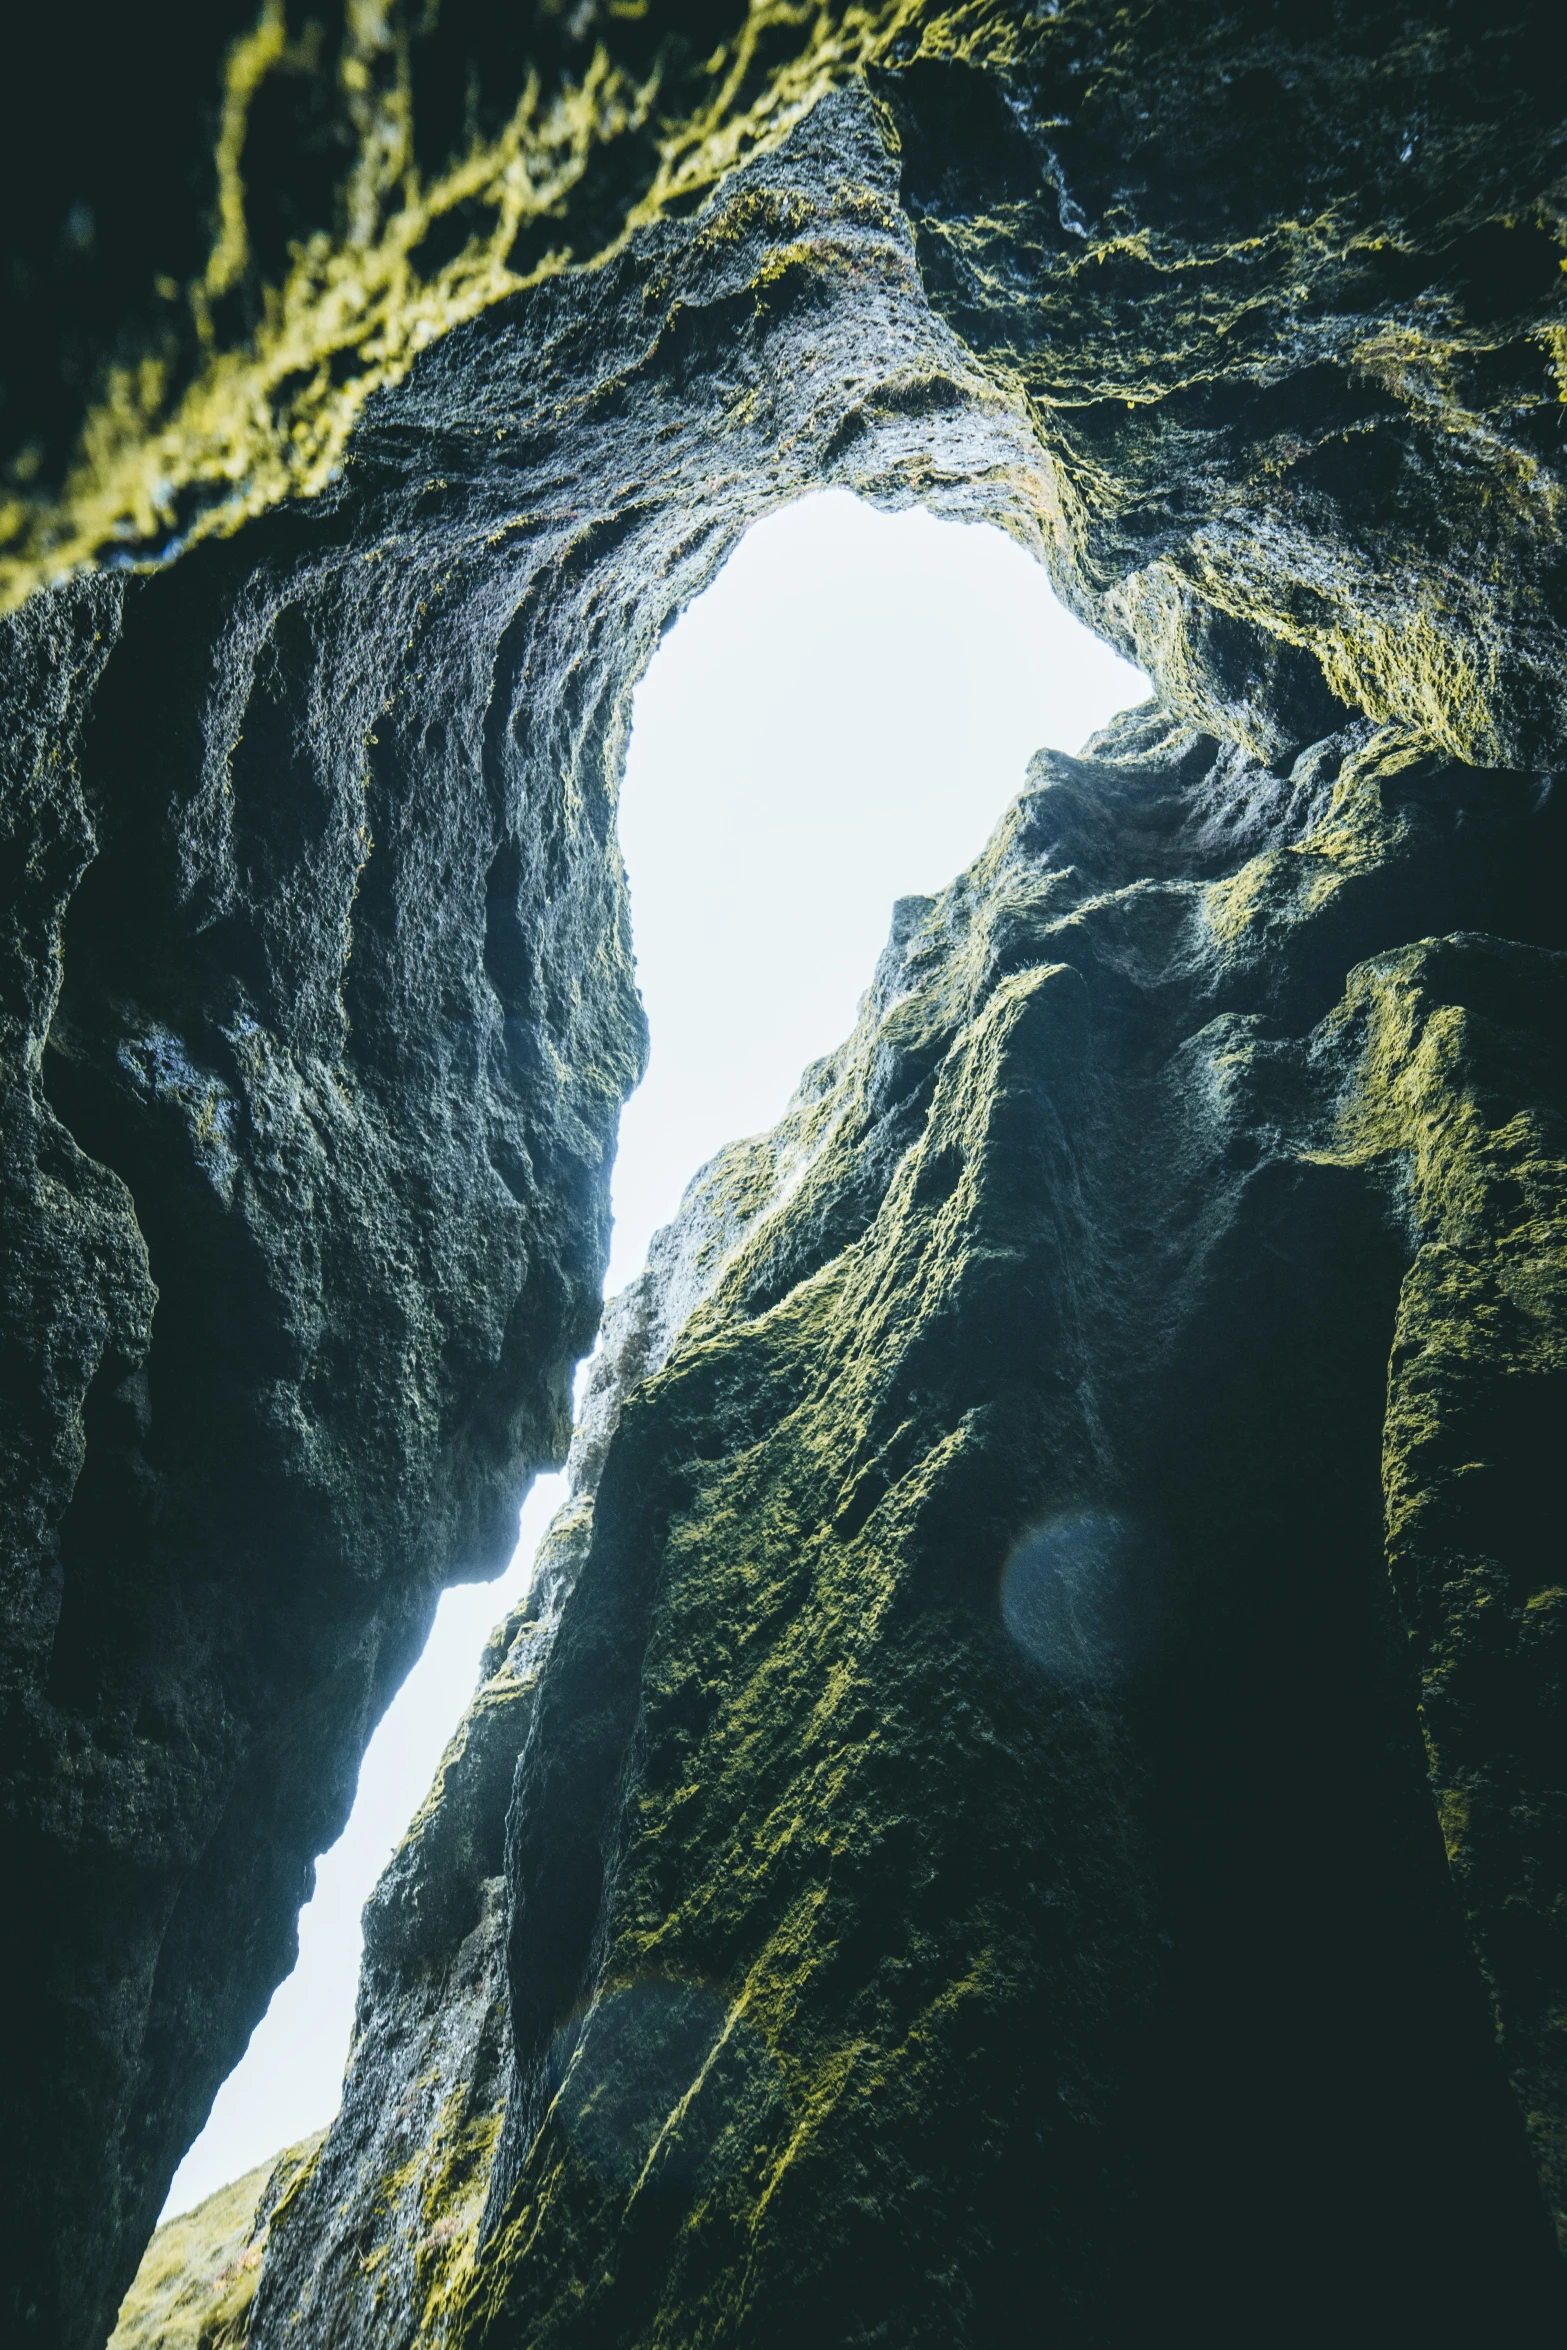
x=837 y=722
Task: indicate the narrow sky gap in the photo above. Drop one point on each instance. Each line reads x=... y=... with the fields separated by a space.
x=838 y=722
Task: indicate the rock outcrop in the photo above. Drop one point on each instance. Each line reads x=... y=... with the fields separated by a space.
x=970 y=1867
x=971 y=1860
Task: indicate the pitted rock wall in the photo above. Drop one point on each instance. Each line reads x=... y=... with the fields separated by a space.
x=332 y=1014
x=971 y=1871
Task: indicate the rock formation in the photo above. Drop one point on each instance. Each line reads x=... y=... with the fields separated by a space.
x=949 y=1850
x=886 y=1938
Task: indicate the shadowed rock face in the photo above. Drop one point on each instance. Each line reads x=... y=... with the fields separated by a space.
x=948 y=1848
x=330 y=1016
x=970 y=1866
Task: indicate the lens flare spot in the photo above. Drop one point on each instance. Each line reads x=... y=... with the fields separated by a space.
x=1082 y=1597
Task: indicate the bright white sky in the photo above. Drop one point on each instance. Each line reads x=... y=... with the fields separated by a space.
x=839 y=721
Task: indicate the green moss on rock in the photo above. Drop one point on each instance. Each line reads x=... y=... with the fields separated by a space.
x=976 y=1728
x=1217 y=1071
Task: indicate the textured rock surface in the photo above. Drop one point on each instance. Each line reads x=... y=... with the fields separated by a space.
x=197 y=2282
x=383 y=2247
x=1280 y=285
x=970 y=1866
x=323 y=190
x=319 y=911
x=318 y=1013
x=1283 y=290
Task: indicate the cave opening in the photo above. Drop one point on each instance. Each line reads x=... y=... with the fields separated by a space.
x=763 y=832
x=1036 y=1745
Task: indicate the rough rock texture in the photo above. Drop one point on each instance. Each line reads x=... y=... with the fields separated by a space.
x=384 y=2246
x=1283 y=291
x=970 y=1867
x=197 y=2282
x=316 y=191
x=323 y=1017
x=1280 y=285
x=999 y=1985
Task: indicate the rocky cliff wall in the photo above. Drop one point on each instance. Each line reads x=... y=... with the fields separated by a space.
x=970 y=1870
x=319 y=1012
x=329 y=1015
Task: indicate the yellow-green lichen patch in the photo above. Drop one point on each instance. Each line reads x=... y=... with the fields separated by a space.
x=449 y=2181
x=162 y=464
x=1452 y=1079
